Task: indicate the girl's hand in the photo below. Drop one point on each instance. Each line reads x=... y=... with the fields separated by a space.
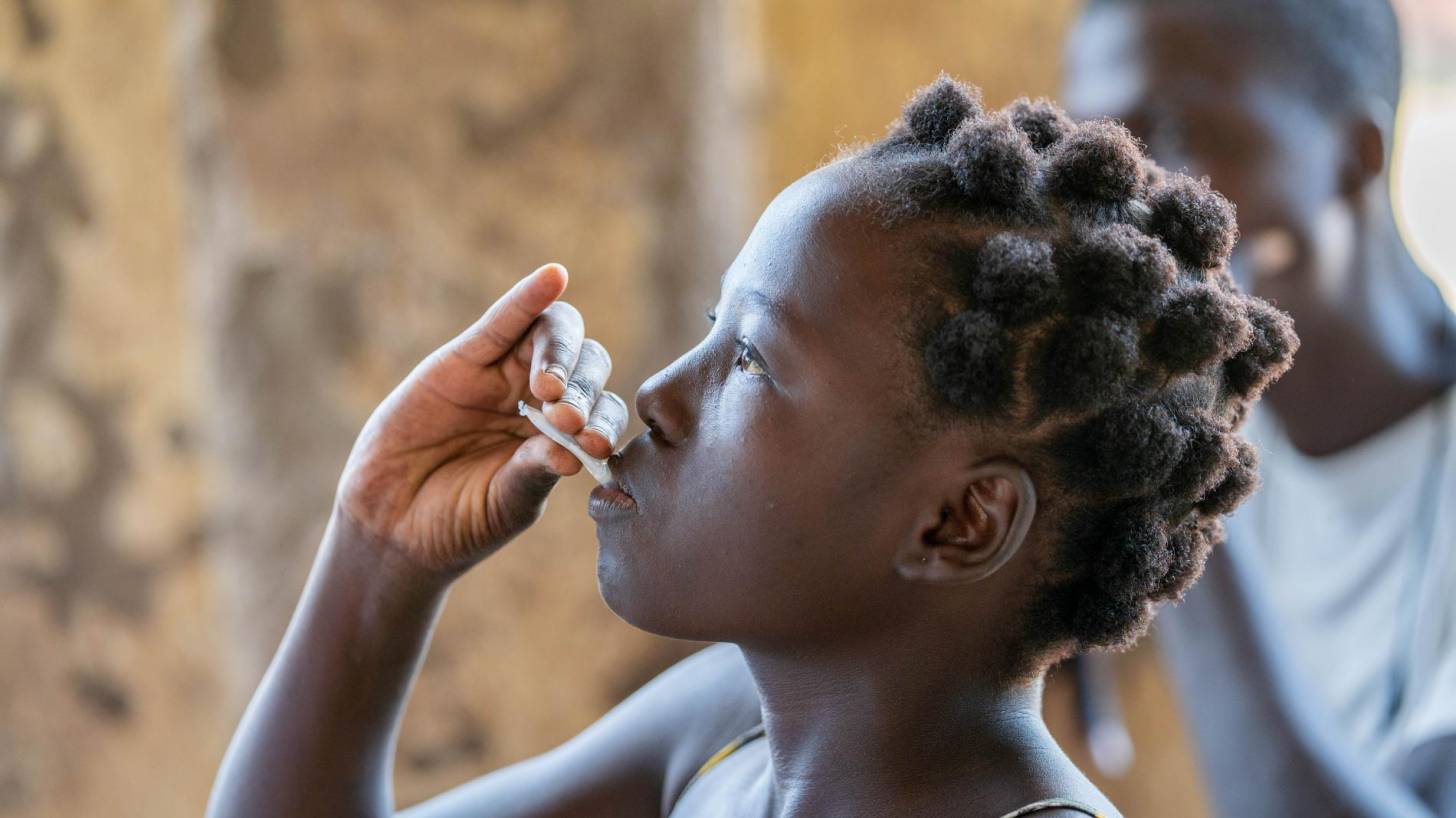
x=445 y=470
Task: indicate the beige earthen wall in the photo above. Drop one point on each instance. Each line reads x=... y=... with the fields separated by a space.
x=228 y=227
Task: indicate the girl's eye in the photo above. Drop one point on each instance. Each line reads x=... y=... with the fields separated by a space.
x=747 y=361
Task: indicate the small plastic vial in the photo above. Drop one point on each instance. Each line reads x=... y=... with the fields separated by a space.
x=595 y=466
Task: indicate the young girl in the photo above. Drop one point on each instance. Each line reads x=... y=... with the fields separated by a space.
x=967 y=407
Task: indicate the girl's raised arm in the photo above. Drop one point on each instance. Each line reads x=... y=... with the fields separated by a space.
x=444 y=473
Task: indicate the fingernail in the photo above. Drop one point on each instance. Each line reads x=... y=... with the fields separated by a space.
x=599 y=430
x=556 y=371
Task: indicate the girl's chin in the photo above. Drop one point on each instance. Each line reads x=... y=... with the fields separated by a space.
x=644 y=606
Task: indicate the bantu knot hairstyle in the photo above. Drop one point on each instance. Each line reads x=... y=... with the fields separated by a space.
x=1196 y=223
x=938 y=109
x=994 y=163
x=1094 y=317
x=1095 y=169
x=1042 y=122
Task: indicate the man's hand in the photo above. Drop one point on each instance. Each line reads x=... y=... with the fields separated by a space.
x=445 y=470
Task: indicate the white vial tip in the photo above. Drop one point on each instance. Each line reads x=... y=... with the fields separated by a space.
x=595 y=466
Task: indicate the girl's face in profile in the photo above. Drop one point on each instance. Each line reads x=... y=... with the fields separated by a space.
x=780 y=472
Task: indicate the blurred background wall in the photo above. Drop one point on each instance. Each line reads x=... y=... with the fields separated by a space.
x=229 y=227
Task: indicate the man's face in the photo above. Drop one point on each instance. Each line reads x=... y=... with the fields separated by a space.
x=1208 y=100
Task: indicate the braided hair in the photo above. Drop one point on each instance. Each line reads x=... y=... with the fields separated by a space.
x=1085 y=305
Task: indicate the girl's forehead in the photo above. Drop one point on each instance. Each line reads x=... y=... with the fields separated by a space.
x=817 y=249
x=822 y=270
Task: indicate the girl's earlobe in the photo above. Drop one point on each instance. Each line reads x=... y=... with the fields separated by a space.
x=975 y=537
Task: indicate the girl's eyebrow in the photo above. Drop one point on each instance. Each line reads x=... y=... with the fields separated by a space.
x=779 y=312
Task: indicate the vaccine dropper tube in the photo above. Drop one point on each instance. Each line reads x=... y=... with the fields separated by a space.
x=595 y=466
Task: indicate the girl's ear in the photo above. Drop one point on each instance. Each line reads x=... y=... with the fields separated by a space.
x=977 y=534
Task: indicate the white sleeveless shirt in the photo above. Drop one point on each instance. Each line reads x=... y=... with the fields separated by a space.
x=1358 y=552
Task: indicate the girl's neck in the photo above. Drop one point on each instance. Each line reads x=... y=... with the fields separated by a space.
x=898 y=728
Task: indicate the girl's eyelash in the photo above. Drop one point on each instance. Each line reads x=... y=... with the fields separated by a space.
x=748 y=356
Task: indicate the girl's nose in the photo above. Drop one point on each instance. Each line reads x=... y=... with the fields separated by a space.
x=663 y=402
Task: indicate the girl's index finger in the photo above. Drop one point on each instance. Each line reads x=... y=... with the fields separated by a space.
x=508 y=319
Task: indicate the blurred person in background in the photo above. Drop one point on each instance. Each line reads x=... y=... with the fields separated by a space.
x=1316 y=662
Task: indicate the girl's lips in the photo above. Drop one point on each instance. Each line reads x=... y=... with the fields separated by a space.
x=610 y=502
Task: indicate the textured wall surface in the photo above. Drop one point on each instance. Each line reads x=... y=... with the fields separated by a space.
x=363 y=179
x=110 y=654
x=228 y=227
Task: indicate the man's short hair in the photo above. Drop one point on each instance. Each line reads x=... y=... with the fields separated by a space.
x=1343 y=52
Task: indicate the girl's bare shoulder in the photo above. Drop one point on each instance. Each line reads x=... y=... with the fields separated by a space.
x=707 y=699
